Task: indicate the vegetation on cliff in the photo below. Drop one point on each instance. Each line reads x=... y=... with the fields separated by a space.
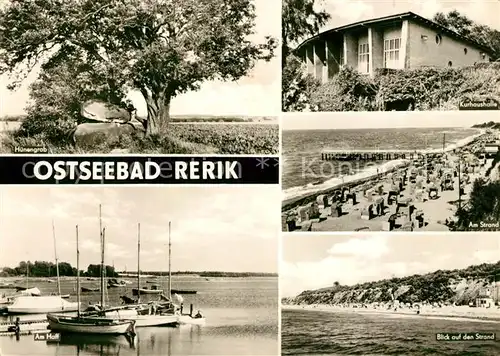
x=459 y=286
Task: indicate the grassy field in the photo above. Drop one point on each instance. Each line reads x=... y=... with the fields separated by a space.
x=182 y=138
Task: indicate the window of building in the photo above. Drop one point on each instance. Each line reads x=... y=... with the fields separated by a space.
x=438 y=39
x=391 y=53
x=363 y=57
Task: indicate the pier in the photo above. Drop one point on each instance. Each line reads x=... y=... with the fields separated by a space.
x=376 y=155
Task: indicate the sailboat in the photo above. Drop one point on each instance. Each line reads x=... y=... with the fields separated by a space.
x=89 y=325
x=65 y=296
x=31 y=302
x=183 y=318
x=152 y=314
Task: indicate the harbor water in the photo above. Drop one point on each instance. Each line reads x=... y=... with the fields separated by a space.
x=242 y=319
x=318 y=332
x=302 y=149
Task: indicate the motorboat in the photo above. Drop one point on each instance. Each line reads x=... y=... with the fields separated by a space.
x=40 y=305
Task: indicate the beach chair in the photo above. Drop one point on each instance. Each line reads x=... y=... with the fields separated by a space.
x=419 y=218
x=322 y=201
x=392 y=197
x=351 y=197
x=407 y=226
x=336 y=210
x=303 y=214
x=379 y=207
x=433 y=193
x=366 y=213
x=390 y=224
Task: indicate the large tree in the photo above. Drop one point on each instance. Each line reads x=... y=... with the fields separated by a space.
x=159 y=47
x=299 y=19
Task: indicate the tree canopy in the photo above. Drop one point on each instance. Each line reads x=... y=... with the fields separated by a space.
x=466 y=27
x=300 y=18
x=159 y=47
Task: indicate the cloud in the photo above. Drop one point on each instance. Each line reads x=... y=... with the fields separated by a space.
x=486 y=256
x=351 y=11
x=371 y=248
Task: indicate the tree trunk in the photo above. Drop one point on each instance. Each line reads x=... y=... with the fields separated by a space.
x=158 y=107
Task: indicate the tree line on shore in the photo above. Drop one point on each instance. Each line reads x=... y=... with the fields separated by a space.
x=49 y=269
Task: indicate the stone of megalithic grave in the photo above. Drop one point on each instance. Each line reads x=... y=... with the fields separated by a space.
x=322 y=201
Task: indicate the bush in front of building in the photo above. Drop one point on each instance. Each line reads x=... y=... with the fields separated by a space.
x=426 y=88
x=347 y=91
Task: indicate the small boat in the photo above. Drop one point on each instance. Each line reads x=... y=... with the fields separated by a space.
x=146 y=291
x=181 y=291
x=187 y=319
x=41 y=305
x=90 y=325
x=113 y=283
x=85 y=289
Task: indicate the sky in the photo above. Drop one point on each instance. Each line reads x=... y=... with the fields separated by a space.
x=218 y=228
x=381 y=119
x=258 y=94
x=344 y=12
x=316 y=261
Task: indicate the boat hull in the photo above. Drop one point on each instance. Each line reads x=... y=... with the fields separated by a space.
x=71 y=325
x=40 y=310
x=143 y=320
x=147 y=291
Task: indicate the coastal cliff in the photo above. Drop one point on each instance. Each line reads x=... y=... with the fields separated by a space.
x=459 y=287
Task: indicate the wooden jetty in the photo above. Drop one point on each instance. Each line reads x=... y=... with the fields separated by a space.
x=23 y=327
x=374 y=155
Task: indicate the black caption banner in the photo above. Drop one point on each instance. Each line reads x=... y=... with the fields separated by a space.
x=138 y=170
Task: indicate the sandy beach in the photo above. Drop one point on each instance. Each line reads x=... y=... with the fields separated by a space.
x=419 y=194
x=491 y=315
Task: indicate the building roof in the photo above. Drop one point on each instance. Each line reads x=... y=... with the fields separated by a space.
x=396 y=17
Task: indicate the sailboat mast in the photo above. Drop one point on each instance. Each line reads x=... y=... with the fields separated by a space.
x=77 y=273
x=169 y=263
x=101 y=232
x=138 y=262
x=55 y=254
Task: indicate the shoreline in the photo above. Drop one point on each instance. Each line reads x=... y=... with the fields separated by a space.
x=455 y=312
x=298 y=195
